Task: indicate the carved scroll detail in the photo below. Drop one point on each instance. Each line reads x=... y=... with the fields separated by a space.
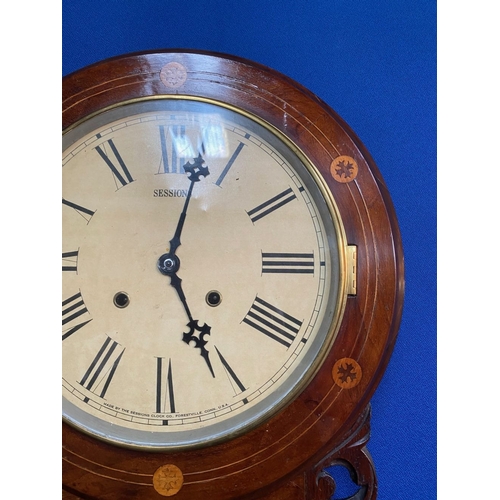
x=353 y=455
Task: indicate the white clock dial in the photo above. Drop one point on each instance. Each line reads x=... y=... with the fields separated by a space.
x=202 y=273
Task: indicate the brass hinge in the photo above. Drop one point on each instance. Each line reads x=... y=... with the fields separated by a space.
x=352 y=269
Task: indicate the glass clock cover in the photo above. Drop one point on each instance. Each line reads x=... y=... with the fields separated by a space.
x=203 y=272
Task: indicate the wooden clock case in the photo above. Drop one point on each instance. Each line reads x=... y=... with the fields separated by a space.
x=328 y=422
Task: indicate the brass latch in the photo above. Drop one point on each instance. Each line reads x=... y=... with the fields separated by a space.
x=352 y=269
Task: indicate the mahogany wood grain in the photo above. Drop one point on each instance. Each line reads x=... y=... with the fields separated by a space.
x=282 y=458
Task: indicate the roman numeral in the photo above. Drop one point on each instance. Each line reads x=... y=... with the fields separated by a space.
x=237 y=385
x=288 y=263
x=165 y=400
x=273 y=204
x=120 y=171
x=82 y=211
x=272 y=322
x=229 y=164
x=70 y=261
x=72 y=308
x=176 y=149
x=102 y=369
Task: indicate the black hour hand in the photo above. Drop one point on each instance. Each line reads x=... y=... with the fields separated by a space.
x=194 y=170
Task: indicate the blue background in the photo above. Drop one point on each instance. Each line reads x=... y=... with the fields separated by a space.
x=375 y=64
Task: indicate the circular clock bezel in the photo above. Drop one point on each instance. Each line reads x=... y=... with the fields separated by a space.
x=301 y=373
x=319 y=418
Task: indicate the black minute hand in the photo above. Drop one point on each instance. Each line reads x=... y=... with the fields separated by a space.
x=169 y=264
x=175 y=281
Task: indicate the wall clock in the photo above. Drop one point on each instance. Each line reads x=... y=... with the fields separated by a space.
x=232 y=283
